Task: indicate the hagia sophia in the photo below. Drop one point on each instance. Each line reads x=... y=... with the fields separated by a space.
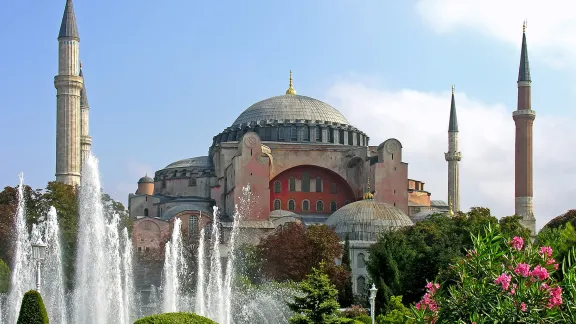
x=299 y=159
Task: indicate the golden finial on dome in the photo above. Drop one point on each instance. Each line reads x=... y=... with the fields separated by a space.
x=368 y=194
x=524 y=26
x=452 y=89
x=291 y=88
x=450 y=211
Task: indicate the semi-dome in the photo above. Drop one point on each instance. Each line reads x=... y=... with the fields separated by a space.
x=366 y=219
x=291 y=107
x=146 y=179
x=200 y=161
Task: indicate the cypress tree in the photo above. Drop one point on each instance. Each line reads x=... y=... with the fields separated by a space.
x=32 y=310
x=346 y=297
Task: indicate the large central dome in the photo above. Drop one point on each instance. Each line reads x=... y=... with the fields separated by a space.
x=291 y=107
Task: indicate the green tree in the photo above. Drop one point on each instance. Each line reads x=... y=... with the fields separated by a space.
x=317 y=302
x=175 y=318
x=32 y=310
x=4 y=277
x=510 y=226
x=346 y=295
x=398 y=314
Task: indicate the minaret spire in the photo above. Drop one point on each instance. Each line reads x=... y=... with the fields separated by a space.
x=453 y=158
x=69 y=84
x=524 y=119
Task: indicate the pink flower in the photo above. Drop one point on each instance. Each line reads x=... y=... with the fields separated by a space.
x=522 y=269
x=523 y=307
x=427 y=302
x=555 y=297
x=432 y=287
x=544 y=286
x=546 y=251
x=503 y=280
x=517 y=243
x=513 y=290
x=540 y=273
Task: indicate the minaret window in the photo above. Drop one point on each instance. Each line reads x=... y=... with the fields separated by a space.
x=277 y=204
x=192 y=225
x=333 y=188
x=291 y=204
x=293 y=133
x=277 y=186
x=305 y=205
x=292 y=184
x=319 y=205
x=318 y=184
x=305 y=182
x=333 y=206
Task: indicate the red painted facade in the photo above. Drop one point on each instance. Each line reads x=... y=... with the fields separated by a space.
x=327 y=195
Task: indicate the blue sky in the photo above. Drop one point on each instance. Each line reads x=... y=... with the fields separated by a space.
x=164 y=77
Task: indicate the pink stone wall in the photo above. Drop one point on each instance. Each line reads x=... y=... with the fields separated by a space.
x=149 y=233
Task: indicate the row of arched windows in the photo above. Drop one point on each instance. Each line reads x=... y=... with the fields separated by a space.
x=306 y=205
x=305 y=185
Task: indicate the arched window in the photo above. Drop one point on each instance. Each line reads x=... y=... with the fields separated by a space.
x=293 y=133
x=292 y=184
x=331 y=132
x=192 y=224
x=208 y=230
x=306 y=135
x=291 y=204
x=277 y=186
x=305 y=205
x=319 y=205
x=360 y=285
x=145 y=211
x=318 y=184
x=341 y=136
x=333 y=206
x=361 y=260
x=350 y=138
x=305 y=182
x=333 y=188
x=277 y=204
x=192 y=181
x=318 y=134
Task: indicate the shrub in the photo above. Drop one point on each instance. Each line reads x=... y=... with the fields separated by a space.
x=4 y=277
x=354 y=311
x=366 y=319
x=32 y=310
x=175 y=318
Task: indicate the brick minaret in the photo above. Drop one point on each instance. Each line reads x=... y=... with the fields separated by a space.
x=453 y=158
x=68 y=85
x=524 y=118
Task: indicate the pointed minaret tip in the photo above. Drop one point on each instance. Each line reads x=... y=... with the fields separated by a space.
x=291 y=87
x=453 y=123
x=68 y=28
x=368 y=195
x=524 y=70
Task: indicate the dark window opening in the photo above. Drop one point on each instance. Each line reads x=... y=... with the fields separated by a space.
x=319 y=206
x=306 y=205
x=293 y=133
x=277 y=186
x=318 y=184
x=333 y=188
x=333 y=206
x=277 y=204
x=291 y=205
x=292 y=183
x=145 y=211
x=305 y=182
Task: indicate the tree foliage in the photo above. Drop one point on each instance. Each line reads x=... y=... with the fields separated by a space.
x=317 y=303
x=293 y=250
x=32 y=310
x=402 y=261
x=398 y=314
x=346 y=295
x=4 y=277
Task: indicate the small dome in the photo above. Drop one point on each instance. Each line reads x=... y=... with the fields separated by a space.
x=365 y=220
x=291 y=107
x=146 y=179
x=200 y=162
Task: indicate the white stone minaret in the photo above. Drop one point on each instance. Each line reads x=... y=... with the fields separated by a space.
x=68 y=85
x=453 y=157
x=85 y=139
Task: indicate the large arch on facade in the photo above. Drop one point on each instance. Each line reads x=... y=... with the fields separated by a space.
x=317 y=189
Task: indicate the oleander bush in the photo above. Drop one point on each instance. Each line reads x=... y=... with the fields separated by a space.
x=502 y=281
x=175 y=318
x=32 y=310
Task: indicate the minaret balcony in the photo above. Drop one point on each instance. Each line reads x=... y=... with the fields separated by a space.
x=453 y=156
x=524 y=112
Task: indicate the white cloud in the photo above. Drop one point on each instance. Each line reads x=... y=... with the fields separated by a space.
x=420 y=121
x=551 y=24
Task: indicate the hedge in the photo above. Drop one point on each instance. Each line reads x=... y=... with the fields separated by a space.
x=32 y=310
x=175 y=318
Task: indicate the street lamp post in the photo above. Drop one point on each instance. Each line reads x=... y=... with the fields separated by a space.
x=373 y=291
x=38 y=253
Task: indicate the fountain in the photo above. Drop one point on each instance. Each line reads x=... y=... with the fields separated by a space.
x=99 y=294
x=22 y=278
x=174 y=268
x=215 y=296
